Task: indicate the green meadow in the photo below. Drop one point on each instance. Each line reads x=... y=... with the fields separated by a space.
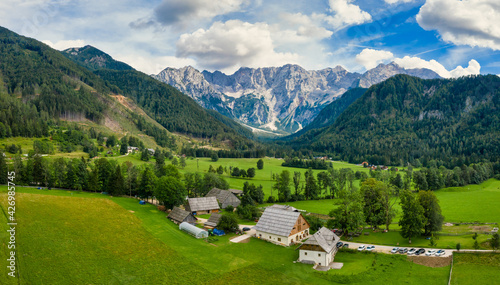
x=475 y=268
x=69 y=237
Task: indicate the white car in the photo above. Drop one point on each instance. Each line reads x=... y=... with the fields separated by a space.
x=440 y=252
x=430 y=252
x=395 y=250
x=411 y=251
x=361 y=247
x=370 y=247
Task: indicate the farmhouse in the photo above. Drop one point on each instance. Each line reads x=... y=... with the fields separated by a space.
x=212 y=221
x=282 y=225
x=178 y=216
x=320 y=248
x=204 y=205
x=224 y=197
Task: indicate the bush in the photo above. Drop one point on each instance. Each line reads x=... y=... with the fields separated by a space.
x=229 y=208
x=228 y=223
x=271 y=199
x=315 y=223
x=162 y=208
x=497 y=177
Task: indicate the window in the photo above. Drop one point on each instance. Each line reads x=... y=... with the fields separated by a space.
x=305 y=253
x=319 y=255
x=279 y=239
x=269 y=237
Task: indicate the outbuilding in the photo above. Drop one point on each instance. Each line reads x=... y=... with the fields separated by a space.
x=224 y=197
x=193 y=230
x=282 y=225
x=212 y=221
x=320 y=248
x=179 y=215
x=203 y=205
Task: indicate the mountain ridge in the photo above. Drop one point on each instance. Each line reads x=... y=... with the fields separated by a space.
x=281 y=99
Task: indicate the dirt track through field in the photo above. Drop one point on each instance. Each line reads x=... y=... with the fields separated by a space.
x=431 y=261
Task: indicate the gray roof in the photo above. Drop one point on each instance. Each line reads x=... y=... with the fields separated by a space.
x=225 y=197
x=284 y=207
x=325 y=238
x=179 y=214
x=236 y=191
x=202 y=204
x=277 y=221
x=213 y=220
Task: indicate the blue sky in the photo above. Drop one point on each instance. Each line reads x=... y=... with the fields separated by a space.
x=451 y=37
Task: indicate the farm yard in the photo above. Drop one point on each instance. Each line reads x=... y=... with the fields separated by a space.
x=153 y=250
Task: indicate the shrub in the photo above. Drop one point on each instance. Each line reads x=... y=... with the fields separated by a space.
x=271 y=199
x=162 y=208
x=229 y=208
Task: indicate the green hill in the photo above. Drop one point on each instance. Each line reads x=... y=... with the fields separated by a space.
x=328 y=115
x=445 y=122
x=94 y=59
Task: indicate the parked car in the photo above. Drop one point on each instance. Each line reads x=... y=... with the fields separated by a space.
x=339 y=244
x=395 y=250
x=245 y=229
x=361 y=247
x=412 y=251
x=403 y=250
x=430 y=252
x=370 y=247
x=346 y=245
x=440 y=252
x=420 y=251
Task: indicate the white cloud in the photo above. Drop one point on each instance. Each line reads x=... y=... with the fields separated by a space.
x=187 y=12
x=463 y=22
x=398 y=1
x=370 y=58
x=346 y=14
x=154 y=64
x=227 y=46
x=304 y=26
x=65 y=44
x=416 y=62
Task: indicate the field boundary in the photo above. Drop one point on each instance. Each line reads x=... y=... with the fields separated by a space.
x=451 y=267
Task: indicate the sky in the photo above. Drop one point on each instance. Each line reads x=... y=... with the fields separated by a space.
x=451 y=37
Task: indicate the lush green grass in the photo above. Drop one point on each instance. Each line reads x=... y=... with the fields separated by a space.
x=476 y=268
x=89 y=239
x=262 y=177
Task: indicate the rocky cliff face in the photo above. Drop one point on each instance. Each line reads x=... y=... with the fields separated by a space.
x=281 y=99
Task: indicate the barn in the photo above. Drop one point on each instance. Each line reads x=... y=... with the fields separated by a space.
x=224 y=197
x=178 y=216
x=282 y=225
x=320 y=248
x=203 y=205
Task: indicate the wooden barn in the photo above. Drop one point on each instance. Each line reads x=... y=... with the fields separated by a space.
x=282 y=225
x=224 y=197
x=203 y=205
x=178 y=216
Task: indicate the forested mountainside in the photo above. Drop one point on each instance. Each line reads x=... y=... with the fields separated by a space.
x=169 y=107
x=37 y=84
x=450 y=122
x=94 y=59
x=172 y=109
x=328 y=115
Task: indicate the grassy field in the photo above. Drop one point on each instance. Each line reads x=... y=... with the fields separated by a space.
x=472 y=268
x=85 y=238
x=262 y=177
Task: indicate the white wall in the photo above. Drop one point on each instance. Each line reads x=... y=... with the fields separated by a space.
x=316 y=256
x=275 y=238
